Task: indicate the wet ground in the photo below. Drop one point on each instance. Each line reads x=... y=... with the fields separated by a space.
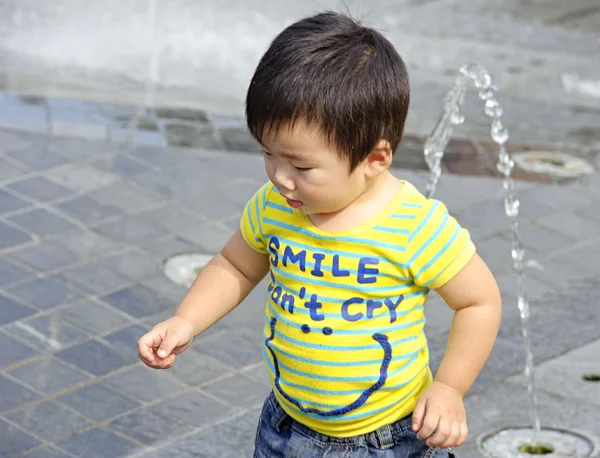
x=86 y=223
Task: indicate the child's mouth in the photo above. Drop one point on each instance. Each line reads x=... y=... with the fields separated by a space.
x=294 y=203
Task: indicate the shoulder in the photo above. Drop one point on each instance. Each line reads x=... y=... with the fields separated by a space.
x=418 y=209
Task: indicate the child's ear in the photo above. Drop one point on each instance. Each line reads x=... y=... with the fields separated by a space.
x=379 y=159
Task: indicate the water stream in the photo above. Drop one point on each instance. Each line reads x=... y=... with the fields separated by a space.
x=478 y=76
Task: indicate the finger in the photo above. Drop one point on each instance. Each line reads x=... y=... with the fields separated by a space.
x=145 y=348
x=453 y=437
x=430 y=423
x=418 y=414
x=464 y=433
x=441 y=434
x=167 y=362
x=168 y=344
x=164 y=363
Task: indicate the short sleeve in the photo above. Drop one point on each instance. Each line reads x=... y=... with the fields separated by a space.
x=438 y=247
x=252 y=217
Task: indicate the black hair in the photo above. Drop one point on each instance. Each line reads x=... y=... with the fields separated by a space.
x=331 y=72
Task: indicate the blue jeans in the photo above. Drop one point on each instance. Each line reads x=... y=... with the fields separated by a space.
x=279 y=436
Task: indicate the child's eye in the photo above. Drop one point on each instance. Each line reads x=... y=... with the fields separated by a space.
x=266 y=153
x=303 y=169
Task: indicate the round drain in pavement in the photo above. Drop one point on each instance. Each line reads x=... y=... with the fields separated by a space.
x=550 y=442
x=183 y=269
x=552 y=163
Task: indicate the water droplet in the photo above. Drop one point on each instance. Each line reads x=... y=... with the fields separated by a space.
x=499 y=136
x=457 y=119
x=493 y=108
x=523 y=308
x=488 y=93
x=511 y=207
x=482 y=79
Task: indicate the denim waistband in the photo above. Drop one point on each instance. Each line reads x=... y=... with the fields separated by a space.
x=383 y=438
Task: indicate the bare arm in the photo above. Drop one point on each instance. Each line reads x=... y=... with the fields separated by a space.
x=225 y=282
x=474 y=295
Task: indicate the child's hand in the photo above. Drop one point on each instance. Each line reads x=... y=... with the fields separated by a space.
x=158 y=347
x=440 y=408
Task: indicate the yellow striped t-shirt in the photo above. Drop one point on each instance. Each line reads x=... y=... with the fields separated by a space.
x=343 y=335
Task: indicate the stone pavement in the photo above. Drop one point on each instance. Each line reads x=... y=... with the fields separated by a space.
x=85 y=226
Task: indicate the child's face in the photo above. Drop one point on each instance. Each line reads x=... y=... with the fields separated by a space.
x=308 y=172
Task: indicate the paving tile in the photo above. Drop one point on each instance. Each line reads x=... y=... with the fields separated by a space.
x=136 y=265
x=543 y=240
x=93 y=317
x=170 y=218
x=14 y=441
x=48 y=375
x=569 y=310
x=11 y=310
x=235 y=348
x=94 y=357
x=13 y=395
x=156 y=384
x=209 y=237
x=46 y=332
x=46 y=452
x=194 y=368
x=12 y=351
x=571 y=225
x=92 y=279
x=495 y=252
x=137 y=301
x=122 y=165
x=42 y=222
x=11 y=236
x=129 y=228
x=10 y=171
x=125 y=197
x=10 y=141
x=165 y=287
x=98 y=443
x=125 y=340
x=45 y=293
x=150 y=425
x=82 y=178
x=87 y=210
x=87 y=244
x=585 y=258
x=564 y=375
x=489 y=410
x=49 y=420
x=230 y=439
x=10 y=203
x=47 y=255
x=194 y=409
x=558 y=273
x=161 y=157
x=591 y=211
x=40 y=189
x=165 y=246
x=204 y=204
x=38 y=157
x=239 y=391
x=561 y=197
x=241 y=191
x=11 y=273
x=98 y=402
x=80 y=149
